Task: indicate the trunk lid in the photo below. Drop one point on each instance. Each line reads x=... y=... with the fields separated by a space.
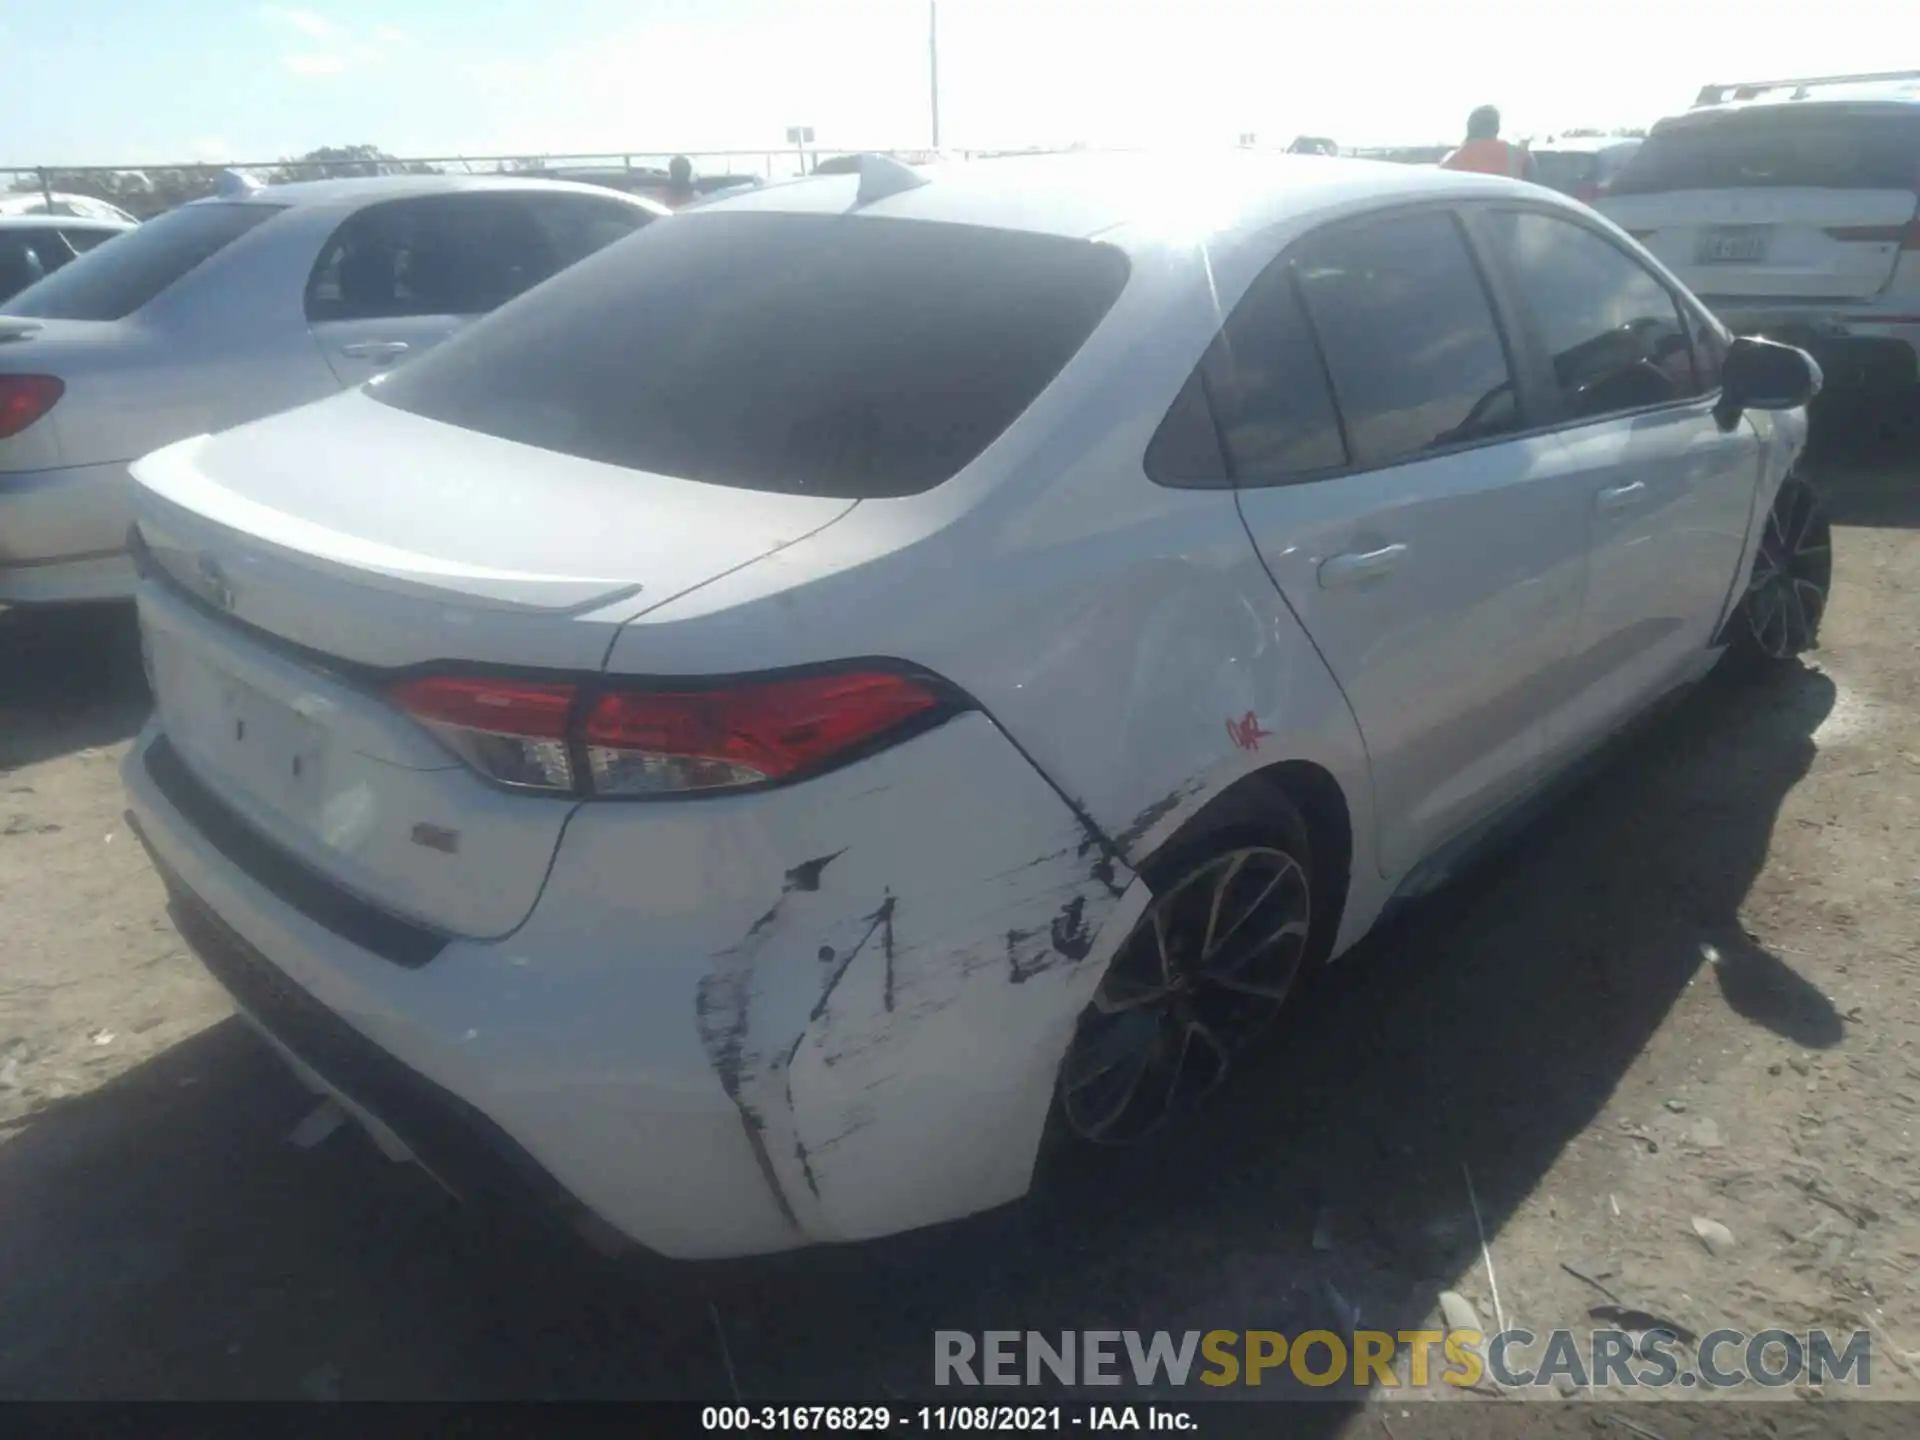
x=382 y=538
x=294 y=562
x=1804 y=201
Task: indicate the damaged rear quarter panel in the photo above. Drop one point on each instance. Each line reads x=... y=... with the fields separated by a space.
x=880 y=968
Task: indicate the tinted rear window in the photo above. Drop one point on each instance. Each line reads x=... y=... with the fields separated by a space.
x=833 y=355
x=113 y=281
x=1814 y=148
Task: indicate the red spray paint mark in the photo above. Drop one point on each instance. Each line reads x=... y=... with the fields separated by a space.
x=1246 y=732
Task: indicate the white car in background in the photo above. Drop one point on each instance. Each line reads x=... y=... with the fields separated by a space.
x=228 y=309
x=32 y=247
x=1583 y=166
x=742 y=739
x=1792 y=208
x=58 y=202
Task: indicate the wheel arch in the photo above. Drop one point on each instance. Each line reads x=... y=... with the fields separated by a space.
x=1317 y=795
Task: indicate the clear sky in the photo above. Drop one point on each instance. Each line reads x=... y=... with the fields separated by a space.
x=137 y=81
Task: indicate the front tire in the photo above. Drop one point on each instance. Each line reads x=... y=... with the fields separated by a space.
x=1201 y=977
x=1786 y=598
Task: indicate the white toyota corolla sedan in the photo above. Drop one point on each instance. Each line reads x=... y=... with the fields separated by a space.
x=748 y=740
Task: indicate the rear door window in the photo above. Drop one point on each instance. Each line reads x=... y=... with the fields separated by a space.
x=1410 y=338
x=840 y=355
x=1822 y=147
x=113 y=281
x=460 y=254
x=1613 y=332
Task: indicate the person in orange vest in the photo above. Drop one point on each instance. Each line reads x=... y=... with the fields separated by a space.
x=1485 y=153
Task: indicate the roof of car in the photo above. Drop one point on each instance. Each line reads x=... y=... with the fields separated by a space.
x=43 y=221
x=399 y=187
x=34 y=202
x=1082 y=194
x=1896 y=87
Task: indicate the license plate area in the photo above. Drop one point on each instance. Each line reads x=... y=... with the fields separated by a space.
x=244 y=740
x=1734 y=245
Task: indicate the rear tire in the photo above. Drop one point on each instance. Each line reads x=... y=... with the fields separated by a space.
x=1201 y=977
x=1779 y=616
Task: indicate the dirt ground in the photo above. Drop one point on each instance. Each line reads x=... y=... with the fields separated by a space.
x=1688 y=991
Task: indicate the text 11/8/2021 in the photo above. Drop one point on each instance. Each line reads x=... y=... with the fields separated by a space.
x=938 y=1419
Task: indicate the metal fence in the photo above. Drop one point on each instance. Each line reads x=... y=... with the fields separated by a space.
x=147 y=190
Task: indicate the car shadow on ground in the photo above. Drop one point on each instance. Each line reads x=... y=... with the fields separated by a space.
x=163 y=1239
x=1863 y=462
x=70 y=679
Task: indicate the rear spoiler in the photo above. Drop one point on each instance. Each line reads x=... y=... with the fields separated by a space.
x=1753 y=89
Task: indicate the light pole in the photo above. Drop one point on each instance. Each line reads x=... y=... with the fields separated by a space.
x=933 y=65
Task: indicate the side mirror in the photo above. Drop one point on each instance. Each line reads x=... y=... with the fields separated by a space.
x=1762 y=374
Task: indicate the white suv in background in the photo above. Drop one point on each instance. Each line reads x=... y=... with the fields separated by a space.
x=1790 y=208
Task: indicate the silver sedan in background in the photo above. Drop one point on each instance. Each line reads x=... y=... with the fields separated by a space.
x=229 y=309
x=32 y=247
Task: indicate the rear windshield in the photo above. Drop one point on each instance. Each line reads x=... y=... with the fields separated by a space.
x=113 y=281
x=1820 y=148
x=837 y=355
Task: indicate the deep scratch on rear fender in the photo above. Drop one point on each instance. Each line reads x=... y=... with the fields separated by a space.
x=720 y=1007
x=773 y=913
x=1069 y=930
x=806 y=875
x=1152 y=816
x=883 y=917
x=799 y=1145
x=828 y=1021
x=1022 y=967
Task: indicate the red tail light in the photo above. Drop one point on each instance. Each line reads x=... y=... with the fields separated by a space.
x=25 y=398
x=662 y=742
x=508 y=730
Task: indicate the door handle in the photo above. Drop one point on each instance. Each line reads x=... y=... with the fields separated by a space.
x=1621 y=496
x=1355 y=569
x=381 y=352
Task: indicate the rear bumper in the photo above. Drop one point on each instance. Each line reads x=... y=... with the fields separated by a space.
x=439 y=1058
x=63 y=534
x=1858 y=349
x=728 y=1027
x=412 y=1117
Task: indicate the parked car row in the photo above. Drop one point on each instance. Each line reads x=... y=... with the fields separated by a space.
x=233 y=307
x=1583 y=166
x=788 y=711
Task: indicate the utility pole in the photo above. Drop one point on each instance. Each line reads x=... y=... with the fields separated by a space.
x=933 y=65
